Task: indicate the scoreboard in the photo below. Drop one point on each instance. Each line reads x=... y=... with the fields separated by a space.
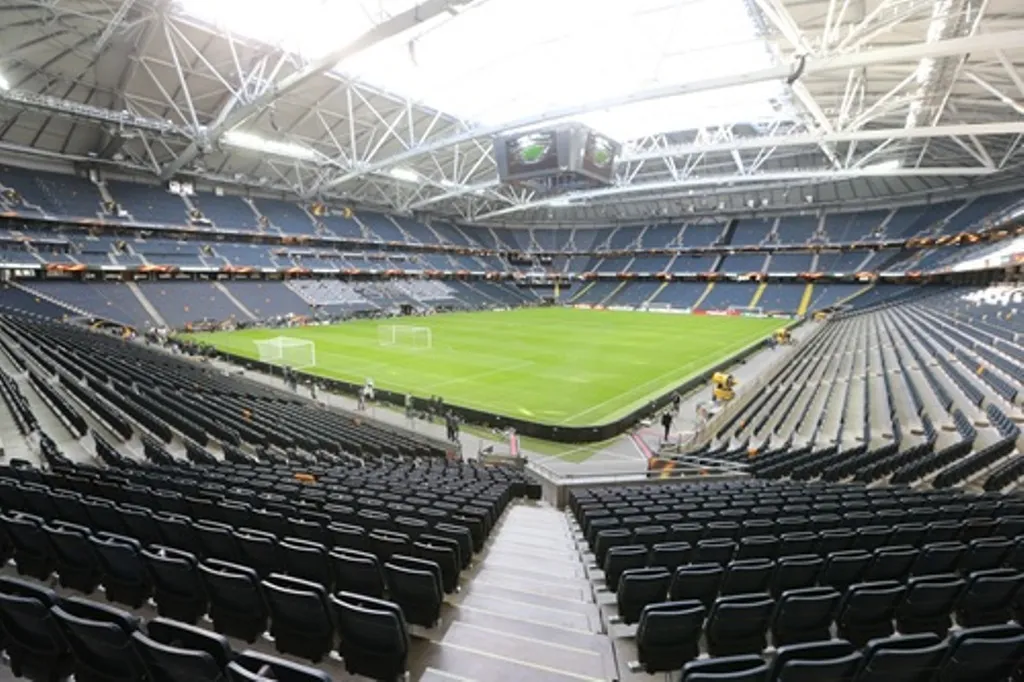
x=566 y=156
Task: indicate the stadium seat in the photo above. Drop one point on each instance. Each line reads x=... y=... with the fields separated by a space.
x=261 y=551
x=993 y=652
x=100 y=639
x=929 y=603
x=125 y=580
x=844 y=568
x=737 y=624
x=639 y=587
x=175 y=652
x=668 y=634
x=906 y=658
x=446 y=558
x=374 y=636
x=989 y=597
x=415 y=585
x=804 y=615
x=300 y=620
x=236 y=605
x=867 y=611
x=795 y=572
x=357 y=572
x=33 y=555
x=78 y=568
x=253 y=666
x=748 y=668
x=746 y=576
x=669 y=555
x=32 y=639
x=307 y=560
x=696 y=581
x=177 y=588
x=620 y=559
x=890 y=563
x=824 y=661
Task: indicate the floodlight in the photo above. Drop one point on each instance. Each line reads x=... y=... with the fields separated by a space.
x=404 y=174
x=891 y=164
x=243 y=140
x=4 y=85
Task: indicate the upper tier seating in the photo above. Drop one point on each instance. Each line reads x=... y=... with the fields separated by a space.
x=782 y=297
x=287 y=217
x=793 y=263
x=148 y=204
x=751 y=232
x=52 y=193
x=795 y=229
x=845 y=228
x=226 y=212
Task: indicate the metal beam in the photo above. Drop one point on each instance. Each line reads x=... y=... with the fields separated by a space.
x=233 y=115
x=978 y=44
x=818 y=175
x=812 y=139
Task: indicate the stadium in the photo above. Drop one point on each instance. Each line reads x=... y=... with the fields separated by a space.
x=508 y=340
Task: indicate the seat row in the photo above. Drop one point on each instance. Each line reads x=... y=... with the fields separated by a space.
x=987 y=653
x=49 y=637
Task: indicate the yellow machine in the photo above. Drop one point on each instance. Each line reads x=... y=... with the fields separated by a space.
x=722 y=385
x=782 y=337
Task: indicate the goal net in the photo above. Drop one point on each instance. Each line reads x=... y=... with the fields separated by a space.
x=405 y=336
x=287 y=352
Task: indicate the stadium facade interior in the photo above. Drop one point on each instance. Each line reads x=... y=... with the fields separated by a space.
x=851 y=510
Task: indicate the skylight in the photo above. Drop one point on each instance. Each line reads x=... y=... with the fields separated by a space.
x=500 y=60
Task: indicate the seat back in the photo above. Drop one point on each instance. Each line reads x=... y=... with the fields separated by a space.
x=253 y=666
x=992 y=652
x=827 y=661
x=99 y=638
x=804 y=615
x=747 y=668
x=668 y=634
x=867 y=611
x=907 y=658
x=357 y=572
x=374 y=636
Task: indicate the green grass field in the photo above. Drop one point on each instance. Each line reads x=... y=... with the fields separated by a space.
x=559 y=366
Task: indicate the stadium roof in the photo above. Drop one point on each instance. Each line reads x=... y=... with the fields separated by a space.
x=722 y=105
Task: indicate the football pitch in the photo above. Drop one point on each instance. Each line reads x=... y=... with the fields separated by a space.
x=558 y=366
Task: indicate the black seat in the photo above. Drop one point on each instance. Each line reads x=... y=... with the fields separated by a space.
x=357 y=571
x=461 y=535
x=385 y=544
x=993 y=652
x=175 y=652
x=125 y=580
x=217 y=541
x=928 y=604
x=236 y=605
x=726 y=669
x=939 y=558
x=622 y=558
x=608 y=538
x=348 y=536
x=415 y=585
x=715 y=551
x=867 y=610
x=804 y=615
x=100 y=639
x=696 y=581
x=300 y=621
x=669 y=555
x=253 y=666
x=907 y=658
x=758 y=547
x=307 y=560
x=261 y=551
x=32 y=639
x=639 y=587
x=890 y=563
x=78 y=567
x=447 y=559
x=988 y=598
x=669 y=634
x=177 y=587
x=844 y=568
x=825 y=661
x=795 y=572
x=746 y=576
x=374 y=636
x=33 y=555
x=737 y=624
x=985 y=553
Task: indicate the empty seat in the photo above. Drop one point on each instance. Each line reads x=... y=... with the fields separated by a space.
x=32 y=639
x=804 y=615
x=726 y=669
x=261 y=551
x=300 y=621
x=989 y=596
x=906 y=658
x=747 y=576
x=992 y=652
x=253 y=666
x=124 y=575
x=175 y=652
x=844 y=568
x=737 y=624
x=825 y=661
x=357 y=571
x=639 y=587
x=890 y=563
x=177 y=587
x=99 y=637
x=33 y=555
x=718 y=551
x=78 y=567
x=928 y=603
x=669 y=555
x=415 y=585
x=867 y=610
x=939 y=558
x=795 y=572
x=374 y=636
x=669 y=634
x=236 y=605
x=985 y=553
x=307 y=560
x=622 y=558
x=446 y=558
x=696 y=581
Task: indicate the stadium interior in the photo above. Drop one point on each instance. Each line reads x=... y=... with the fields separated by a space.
x=510 y=340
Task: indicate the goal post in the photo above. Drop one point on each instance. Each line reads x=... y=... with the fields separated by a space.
x=405 y=336
x=287 y=352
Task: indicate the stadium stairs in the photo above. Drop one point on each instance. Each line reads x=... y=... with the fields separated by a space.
x=147 y=305
x=234 y=299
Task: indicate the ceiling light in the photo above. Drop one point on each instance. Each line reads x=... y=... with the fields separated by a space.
x=404 y=174
x=4 y=85
x=891 y=164
x=243 y=140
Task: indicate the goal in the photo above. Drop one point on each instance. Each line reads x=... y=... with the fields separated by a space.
x=287 y=352
x=405 y=336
